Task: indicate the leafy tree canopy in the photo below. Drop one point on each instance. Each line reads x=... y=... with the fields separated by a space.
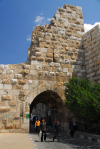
x=83 y=99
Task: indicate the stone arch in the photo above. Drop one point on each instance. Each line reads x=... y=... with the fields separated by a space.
x=42 y=88
x=58 y=93
x=52 y=100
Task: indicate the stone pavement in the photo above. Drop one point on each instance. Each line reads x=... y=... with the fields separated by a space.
x=32 y=141
x=15 y=141
x=66 y=141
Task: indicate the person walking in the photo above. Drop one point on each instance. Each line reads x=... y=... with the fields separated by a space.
x=37 y=126
x=73 y=129
x=57 y=131
x=43 y=129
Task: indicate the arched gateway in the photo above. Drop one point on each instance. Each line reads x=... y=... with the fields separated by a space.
x=55 y=54
x=55 y=104
x=52 y=96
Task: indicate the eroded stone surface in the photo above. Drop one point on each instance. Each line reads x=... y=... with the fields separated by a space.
x=58 y=51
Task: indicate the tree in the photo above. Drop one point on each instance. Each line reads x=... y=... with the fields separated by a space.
x=83 y=99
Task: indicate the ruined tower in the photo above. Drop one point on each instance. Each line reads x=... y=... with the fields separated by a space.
x=58 y=51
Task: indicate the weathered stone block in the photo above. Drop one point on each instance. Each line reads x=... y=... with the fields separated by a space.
x=70 y=53
x=46 y=46
x=49 y=59
x=11 y=71
x=9 y=126
x=17 y=126
x=49 y=55
x=38 y=54
x=4 y=109
x=79 y=75
x=50 y=50
x=52 y=73
x=38 y=67
x=6 y=81
x=40 y=58
x=6 y=97
x=37 y=49
x=0 y=71
x=60 y=83
x=57 y=64
x=62 y=52
x=61 y=9
x=57 y=73
x=68 y=34
x=73 y=62
x=4 y=131
x=14 y=81
x=92 y=74
x=73 y=57
x=80 y=50
x=59 y=69
x=18 y=86
x=54 y=69
x=98 y=62
x=33 y=57
x=29 y=81
x=67 y=61
x=22 y=93
x=52 y=64
x=40 y=73
x=65 y=69
x=1 y=86
x=62 y=56
x=46 y=73
x=25 y=87
x=25 y=71
x=8 y=86
x=22 y=81
x=27 y=66
x=41 y=45
x=2 y=126
x=56 y=57
x=43 y=50
x=18 y=76
x=12 y=103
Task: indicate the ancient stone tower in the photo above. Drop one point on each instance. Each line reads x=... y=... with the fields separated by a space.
x=58 y=50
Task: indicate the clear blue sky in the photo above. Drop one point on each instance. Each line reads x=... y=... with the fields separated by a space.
x=17 y=18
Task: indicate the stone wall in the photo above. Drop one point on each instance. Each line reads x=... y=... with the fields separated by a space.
x=55 y=54
x=57 y=48
x=92 y=54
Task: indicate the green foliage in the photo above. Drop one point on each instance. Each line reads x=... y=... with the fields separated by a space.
x=83 y=99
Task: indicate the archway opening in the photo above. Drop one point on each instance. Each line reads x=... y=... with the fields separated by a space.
x=41 y=110
x=54 y=107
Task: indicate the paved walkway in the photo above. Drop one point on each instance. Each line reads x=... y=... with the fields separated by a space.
x=15 y=141
x=66 y=141
x=32 y=141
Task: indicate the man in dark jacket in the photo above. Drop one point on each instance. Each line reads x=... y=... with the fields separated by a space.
x=57 y=130
x=43 y=128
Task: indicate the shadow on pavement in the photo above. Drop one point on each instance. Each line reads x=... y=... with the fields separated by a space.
x=66 y=139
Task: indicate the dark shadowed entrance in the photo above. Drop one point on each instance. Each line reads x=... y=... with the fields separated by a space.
x=54 y=103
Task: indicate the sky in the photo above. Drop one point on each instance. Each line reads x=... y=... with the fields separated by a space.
x=18 y=17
